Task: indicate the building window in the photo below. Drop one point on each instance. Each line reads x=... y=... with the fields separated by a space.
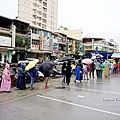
x=43 y=26
x=44 y=15
x=34 y=16
x=40 y=12
x=39 y=18
x=44 y=20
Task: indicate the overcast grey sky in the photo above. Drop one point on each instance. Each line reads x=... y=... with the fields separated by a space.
x=97 y=18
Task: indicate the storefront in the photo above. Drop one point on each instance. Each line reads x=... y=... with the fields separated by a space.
x=5 y=49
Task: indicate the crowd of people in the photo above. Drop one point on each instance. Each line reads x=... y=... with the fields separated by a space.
x=82 y=71
x=21 y=82
x=79 y=70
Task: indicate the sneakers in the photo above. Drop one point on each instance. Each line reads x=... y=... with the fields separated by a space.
x=46 y=87
x=31 y=88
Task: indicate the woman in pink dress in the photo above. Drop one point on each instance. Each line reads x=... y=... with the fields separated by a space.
x=6 y=80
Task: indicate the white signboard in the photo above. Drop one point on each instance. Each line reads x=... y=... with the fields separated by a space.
x=5 y=41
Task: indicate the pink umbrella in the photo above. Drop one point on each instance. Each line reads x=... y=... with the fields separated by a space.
x=87 y=61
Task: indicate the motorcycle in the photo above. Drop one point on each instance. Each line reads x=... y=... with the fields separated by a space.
x=14 y=76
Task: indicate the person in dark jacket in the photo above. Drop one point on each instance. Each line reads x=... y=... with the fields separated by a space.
x=63 y=73
x=92 y=69
x=68 y=73
x=21 y=78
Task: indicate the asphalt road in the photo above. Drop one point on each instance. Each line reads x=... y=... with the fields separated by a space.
x=95 y=99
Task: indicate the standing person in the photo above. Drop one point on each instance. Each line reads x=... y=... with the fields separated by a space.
x=21 y=78
x=92 y=69
x=106 y=68
x=47 y=75
x=98 y=69
x=6 y=80
x=33 y=73
x=85 y=70
x=68 y=73
x=101 y=69
x=63 y=73
x=79 y=72
x=40 y=60
x=115 y=66
x=111 y=67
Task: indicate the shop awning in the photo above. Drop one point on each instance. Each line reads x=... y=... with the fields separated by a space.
x=37 y=51
x=115 y=55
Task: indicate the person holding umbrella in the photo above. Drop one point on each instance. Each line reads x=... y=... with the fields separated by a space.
x=63 y=73
x=46 y=68
x=68 y=73
x=32 y=71
x=47 y=75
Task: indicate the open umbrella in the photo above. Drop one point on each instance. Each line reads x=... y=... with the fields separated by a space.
x=87 y=61
x=66 y=58
x=31 y=64
x=45 y=66
x=95 y=56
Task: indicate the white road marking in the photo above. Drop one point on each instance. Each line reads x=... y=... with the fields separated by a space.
x=81 y=96
x=95 y=90
x=82 y=106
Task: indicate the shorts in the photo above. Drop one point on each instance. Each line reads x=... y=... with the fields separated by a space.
x=47 y=74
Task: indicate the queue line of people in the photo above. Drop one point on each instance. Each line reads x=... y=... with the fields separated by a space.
x=82 y=71
x=21 y=84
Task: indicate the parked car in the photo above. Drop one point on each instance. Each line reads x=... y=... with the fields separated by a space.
x=25 y=61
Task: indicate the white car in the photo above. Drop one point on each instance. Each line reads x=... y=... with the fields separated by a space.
x=26 y=61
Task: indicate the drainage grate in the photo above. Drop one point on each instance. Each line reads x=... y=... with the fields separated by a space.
x=60 y=87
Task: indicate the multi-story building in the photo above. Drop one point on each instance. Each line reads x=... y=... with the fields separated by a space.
x=13 y=39
x=39 y=13
x=76 y=33
x=42 y=14
x=99 y=45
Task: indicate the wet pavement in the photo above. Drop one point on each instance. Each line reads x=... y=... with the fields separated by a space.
x=95 y=99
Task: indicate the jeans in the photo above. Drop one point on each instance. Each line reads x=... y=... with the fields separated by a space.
x=73 y=71
x=101 y=73
x=98 y=73
x=32 y=81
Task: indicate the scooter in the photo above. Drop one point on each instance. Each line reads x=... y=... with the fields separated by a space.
x=14 y=76
x=40 y=77
x=55 y=72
